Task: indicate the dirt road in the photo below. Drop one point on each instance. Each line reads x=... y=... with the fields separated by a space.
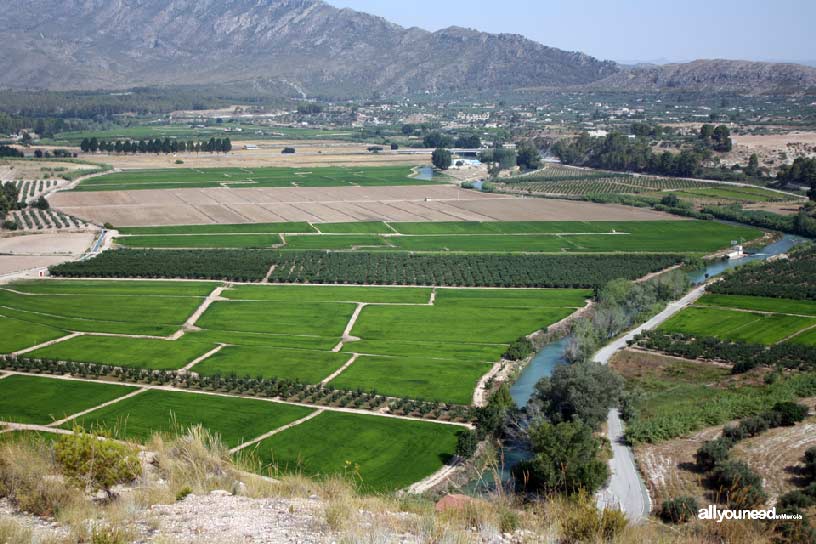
x=626 y=489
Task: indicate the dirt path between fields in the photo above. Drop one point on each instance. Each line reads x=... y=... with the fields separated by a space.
x=347 y=337
x=190 y=324
x=186 y=368
x=339 y=371
x=46 y=344
x=276 y=431
x=94 y=408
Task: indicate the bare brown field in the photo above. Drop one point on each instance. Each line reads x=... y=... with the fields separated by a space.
x=19 y=253
x=777 y=453
x=329 y=204
x=308 y=153
x=20 y=169
x=781 y=208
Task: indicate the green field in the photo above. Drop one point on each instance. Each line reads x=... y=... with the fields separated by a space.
x=324 y=176
x=468 y=237
x=234 y=419
x=381 y=454
x=40 y=401
x=735 y=194
x=305 y=366
x=126 y=352
x=20 y=334
x=743 y=326
x=413 y=343
x=142 y=308
x=760 y=304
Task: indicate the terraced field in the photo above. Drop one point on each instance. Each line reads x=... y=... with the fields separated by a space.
x=326 y=176
x=465 y=237
x=406 y=342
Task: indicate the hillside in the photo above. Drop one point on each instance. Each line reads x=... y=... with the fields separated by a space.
x=715 y=75
x=291 y=45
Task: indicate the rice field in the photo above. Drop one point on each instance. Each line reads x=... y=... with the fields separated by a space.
x=419 y=343
x=461 y=237
x=325 y=176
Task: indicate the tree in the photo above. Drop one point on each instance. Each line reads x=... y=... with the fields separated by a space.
x=566 y=459
x=721 y=138
x=752 y=169
x=527 y=156
x=585 y=391
x=441 y=158
x=466 y=442
x=469 y=141
x=436 y=139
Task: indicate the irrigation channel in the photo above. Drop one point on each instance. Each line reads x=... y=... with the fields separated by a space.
x=552 y=354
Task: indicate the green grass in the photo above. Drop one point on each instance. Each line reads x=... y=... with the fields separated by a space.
x=358 y=227
x=327 y=293
x=738 y=194
x=239 y=228
x=736 y=325
x=470 y=237
x=40 y=401
x=202 y=241
x=761 y=304
x=386 y=454
x=234 y=419
x=302 y=365
x=144 y=314
x=17 y=334
x=126 y=352
x=326 y=176
x=115 y=287
x=416 y=378
x=684 y=397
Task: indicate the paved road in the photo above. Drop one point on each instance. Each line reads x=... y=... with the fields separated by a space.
x=626 y=489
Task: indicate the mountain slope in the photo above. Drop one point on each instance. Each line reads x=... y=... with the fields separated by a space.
x=305 y=44
x=715 y=75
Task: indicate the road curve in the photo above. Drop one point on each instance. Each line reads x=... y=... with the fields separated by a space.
x=626 y=489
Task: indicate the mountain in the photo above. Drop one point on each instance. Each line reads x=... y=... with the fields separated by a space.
x=309 y=48
x=305 y=45
x=714 y=76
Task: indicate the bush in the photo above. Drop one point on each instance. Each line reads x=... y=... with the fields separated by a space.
x=466 y=442
x=810 y=463
x=796 y=499
x=679 y=510
x=96 y=464
x=288 y=150
x=753 y=426
x=742 y=486
x=713 y=452
x=791 y=413
x=584 y=523
x=519 y=349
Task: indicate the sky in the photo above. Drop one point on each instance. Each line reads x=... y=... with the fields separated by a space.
x=627 y=30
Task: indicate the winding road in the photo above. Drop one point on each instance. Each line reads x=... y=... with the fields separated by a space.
x=626 y=489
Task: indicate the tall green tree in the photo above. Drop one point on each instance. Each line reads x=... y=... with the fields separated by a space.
x=441 y=158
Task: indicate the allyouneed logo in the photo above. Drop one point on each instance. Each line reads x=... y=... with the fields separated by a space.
x=717 y=514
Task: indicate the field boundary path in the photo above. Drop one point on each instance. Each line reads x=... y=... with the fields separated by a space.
x=190 y=324
x=46 y=344
x=340 y=370
x=626 y=489
x=347 y=337
x=66 y=419
x=200 y=358
x=273 y=432
x=433 y=480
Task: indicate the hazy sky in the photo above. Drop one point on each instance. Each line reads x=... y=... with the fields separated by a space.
x=627 y=29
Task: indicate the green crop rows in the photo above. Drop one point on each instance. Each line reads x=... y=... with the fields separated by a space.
x=468 y=237
x=412 y=342
x=327 y=176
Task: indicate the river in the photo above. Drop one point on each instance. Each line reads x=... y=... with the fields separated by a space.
x=552 y=354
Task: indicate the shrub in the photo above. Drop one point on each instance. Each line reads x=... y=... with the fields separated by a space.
x=791 y=413
x=466 y=442
x=753 y=426
x=810 y=463
x=96 y=464
x=713 y=452
x=796 y=499
x=520 y=348
x=678 y=510
x=584 y=523
x=742 y=485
